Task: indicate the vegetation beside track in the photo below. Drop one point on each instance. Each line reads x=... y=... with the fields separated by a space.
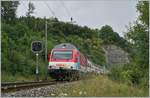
x=100 y=86
x=6 y=77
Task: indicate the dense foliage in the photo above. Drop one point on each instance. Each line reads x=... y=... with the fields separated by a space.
x=109 y=36
x=138 y=35
x=8 y=11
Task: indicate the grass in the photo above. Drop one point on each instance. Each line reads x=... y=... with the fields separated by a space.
x=100 y=86
x=6 y=77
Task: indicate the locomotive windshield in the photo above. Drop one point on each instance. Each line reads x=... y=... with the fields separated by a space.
x=62 y=54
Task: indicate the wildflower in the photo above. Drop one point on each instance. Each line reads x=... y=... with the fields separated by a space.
x=84 y=92
x=65 y=94
x=52 y=94
x=80 y=92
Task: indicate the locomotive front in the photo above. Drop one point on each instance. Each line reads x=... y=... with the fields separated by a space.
x=63 y=59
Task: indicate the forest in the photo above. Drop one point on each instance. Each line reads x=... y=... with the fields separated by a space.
x=17 y=33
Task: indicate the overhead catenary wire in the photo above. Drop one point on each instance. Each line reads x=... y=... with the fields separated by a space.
x=23 y=4
x=21 y=1
x=51 y=11
x=67 y=10
x=26 y=7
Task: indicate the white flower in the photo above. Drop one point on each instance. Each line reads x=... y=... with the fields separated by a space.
x=65 y=94
x=52 y=94
x=85 y=93
x=80 y=92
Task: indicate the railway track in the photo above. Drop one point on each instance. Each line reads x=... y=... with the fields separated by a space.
x=7 y=87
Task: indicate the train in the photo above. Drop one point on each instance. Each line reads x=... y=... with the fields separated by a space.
x=66 y=62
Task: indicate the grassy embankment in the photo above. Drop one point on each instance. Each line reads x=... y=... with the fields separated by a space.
x=6 y=77
x=100 y=86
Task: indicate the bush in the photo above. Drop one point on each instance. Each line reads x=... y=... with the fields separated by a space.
x=115 y=72
x=129 y=73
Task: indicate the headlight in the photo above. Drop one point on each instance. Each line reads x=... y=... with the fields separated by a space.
x=49 y=67
x=71 y=67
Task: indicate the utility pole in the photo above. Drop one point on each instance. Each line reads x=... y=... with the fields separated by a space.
x=46 y=64
x=98 y=35
x=36 y=47
x=46 y=47
x=104 y=69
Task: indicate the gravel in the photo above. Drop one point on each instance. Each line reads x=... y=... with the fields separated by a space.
x=45 y=91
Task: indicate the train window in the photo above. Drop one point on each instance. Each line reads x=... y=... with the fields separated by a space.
x=62 y=54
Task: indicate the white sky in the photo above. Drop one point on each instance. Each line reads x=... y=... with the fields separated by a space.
x=94 y=13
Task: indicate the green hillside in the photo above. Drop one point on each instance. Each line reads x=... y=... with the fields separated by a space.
x=17 y=36
x=17 y=33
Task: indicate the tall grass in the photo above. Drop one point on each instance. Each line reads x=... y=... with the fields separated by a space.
x=7 y=77
x=100 y=86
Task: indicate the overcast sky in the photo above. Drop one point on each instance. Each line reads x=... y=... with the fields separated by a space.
x=94 y=13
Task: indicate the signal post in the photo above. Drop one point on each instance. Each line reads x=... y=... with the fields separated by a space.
x=36 y=47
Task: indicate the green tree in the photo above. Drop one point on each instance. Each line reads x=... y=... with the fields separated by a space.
x=138 y=36
x=108 y=35
x=143 y=9
x=8 y=10
x=31 y=9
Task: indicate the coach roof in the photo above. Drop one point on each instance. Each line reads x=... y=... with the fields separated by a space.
x=65 y=45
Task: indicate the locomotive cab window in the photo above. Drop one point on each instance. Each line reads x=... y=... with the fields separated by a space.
x=62 y=55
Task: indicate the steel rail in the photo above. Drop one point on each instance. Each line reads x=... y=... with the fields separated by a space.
x=17 y=83
x=6 y=87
